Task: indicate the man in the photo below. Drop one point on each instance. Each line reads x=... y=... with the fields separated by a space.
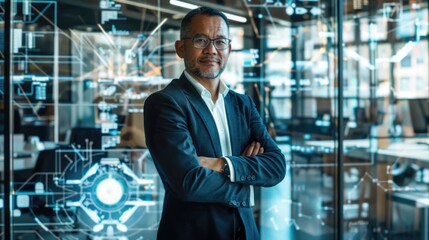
x=208 y=143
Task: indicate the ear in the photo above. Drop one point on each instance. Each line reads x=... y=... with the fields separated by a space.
x=179 y=48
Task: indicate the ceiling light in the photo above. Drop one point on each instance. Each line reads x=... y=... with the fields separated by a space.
x=183 y=4
x=232 y=17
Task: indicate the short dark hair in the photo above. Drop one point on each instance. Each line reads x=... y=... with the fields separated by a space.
x=186 y=21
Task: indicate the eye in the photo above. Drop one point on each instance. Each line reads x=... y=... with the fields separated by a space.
x=221 y=43
x=200 y=41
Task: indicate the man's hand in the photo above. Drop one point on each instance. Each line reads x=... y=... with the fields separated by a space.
x=216 y=164
x=253 y=149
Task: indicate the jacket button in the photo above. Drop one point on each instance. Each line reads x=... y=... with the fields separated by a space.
x=243 y=178
x=232 y=203
x=253 y=177
x=243 y=203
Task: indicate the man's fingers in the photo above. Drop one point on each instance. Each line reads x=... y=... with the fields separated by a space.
x=256 y=148
x=252 y=149
x=249 y=149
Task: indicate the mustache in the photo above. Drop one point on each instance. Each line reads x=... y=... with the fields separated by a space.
x=209 y=58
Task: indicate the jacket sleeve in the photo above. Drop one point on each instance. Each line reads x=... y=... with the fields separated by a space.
x=266 y=169
x=172 y=149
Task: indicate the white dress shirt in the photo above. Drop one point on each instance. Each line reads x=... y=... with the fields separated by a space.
x=218 y=112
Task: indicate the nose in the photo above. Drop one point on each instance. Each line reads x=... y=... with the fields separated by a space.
x=210 y=48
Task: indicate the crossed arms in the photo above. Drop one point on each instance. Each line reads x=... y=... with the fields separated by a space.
x=195 y=177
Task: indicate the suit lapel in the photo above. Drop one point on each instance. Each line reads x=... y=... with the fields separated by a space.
x=202 y=111
x=231 y=108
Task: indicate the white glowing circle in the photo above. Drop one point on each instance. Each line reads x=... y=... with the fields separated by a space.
x=289 y=11
x=109 y=191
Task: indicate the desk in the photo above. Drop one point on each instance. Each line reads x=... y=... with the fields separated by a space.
x=21 y=161
x=414 y=150
x=349 y=143
x=25 y=159
x=410 y=150
x=420 y=201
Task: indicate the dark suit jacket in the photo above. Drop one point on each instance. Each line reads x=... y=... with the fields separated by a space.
x=200 y=203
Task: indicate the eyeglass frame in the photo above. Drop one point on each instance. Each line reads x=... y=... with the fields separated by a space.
x=211 y=40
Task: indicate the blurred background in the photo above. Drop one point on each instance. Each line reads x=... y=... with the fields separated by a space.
x=342 y=86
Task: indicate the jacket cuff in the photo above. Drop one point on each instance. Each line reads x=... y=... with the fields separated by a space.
x=231 y=169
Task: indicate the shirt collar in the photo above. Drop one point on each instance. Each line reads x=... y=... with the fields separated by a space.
x=223 y=88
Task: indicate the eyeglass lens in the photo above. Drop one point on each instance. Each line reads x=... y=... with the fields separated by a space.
x=203 y=42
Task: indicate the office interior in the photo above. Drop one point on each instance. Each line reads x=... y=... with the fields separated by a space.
x=342 y=86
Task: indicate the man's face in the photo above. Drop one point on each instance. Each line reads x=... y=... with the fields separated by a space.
x=209 y=62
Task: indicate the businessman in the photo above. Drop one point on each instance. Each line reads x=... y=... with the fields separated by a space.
x=208 y=142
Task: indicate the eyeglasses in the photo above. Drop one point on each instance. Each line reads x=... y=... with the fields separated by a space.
x=202 y=42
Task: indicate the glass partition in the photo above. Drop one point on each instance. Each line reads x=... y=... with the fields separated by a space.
x=343 y=87
x=385 y=148
x=301 y=74
x=80 y=167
